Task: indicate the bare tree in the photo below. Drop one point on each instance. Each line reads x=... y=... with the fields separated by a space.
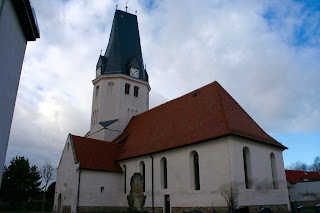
x=48 y=173
x=298 y=166
x=231 y=197
x=316 y=164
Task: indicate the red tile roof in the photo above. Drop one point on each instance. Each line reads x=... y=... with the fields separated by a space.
x=95 y=154
x=298 y=176
x=207 y=113
x=190 y=119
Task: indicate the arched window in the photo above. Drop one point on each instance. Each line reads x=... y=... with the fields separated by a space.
x=68 y=147
x=163 y=173
x=124 y=169
x=247 y=168
x=135 y=91
x=142 y=169
x=274 y=171
x=97 y=91
x=127 y=89
x=194 y=171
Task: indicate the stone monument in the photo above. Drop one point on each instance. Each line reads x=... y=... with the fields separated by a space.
x=136 y=198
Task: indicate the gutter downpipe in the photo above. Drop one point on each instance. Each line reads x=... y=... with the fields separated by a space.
x=78 y=198
x=152 y=183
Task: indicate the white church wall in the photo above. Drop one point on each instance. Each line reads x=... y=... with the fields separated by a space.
x=91 y=191
x=262 y=192
x=67 y=179
x=214 y=175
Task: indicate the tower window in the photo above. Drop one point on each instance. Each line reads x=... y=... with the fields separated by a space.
x=102 y=189
x=136 y=91
x=127 y=89
x=110 y=87
x=97 y=91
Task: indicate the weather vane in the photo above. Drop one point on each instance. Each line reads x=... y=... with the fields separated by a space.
x=127 y=5
x=116 y=6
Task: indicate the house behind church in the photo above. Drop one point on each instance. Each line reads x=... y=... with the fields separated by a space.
x=188 y=150
x=304 y=187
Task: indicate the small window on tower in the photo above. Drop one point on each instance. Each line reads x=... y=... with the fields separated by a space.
x=127 y=89
x=136 y=91
x=110 y=87
x=97 y=91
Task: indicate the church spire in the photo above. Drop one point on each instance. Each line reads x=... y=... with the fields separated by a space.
x=123 y=54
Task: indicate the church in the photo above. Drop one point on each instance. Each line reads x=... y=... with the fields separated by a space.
x=190 y=151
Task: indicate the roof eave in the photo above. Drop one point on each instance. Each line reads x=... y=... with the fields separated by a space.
x=203 y=141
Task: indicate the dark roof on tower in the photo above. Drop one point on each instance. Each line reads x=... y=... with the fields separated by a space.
x=124 y=49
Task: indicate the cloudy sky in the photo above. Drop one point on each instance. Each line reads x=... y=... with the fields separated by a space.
x=264 y=53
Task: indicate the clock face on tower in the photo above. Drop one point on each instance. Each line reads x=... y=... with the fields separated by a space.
x=134 y=72
x=98 y=71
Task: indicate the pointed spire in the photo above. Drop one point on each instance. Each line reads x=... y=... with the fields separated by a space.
x=124 y=49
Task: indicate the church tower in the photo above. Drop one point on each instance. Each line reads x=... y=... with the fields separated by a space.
x=121 y=88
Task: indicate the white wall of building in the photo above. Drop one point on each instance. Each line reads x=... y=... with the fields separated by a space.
x=263 y=192
x=111 y=103
x=90 y=188
x=67 y=178
x=13 y=44
x=221 y=165
x=217 y=173
x=304 y=191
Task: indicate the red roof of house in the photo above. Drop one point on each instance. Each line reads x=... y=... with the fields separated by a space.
x=299 y=176
x=206 y=113
x=95 y=154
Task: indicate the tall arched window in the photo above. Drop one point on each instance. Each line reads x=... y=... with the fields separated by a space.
x=194 y=171
x=142 y=169
x=124 y=169
x=274 y=171
x=163 y=173
x=247 y=168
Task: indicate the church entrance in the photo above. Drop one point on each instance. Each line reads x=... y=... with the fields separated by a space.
x=59 y=204
x=166 y=204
